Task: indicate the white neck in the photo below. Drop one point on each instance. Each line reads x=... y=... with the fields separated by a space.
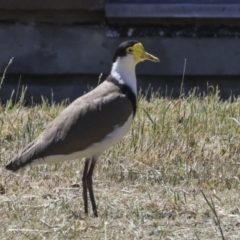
x=123 y=70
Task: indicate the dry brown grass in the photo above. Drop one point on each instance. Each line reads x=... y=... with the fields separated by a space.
x=147 y=187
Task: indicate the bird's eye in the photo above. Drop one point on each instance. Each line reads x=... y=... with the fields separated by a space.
x=129 y=50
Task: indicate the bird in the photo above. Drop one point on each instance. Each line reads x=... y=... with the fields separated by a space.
x=92 y=123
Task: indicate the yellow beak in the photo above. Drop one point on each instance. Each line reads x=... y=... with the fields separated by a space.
x=150 y=57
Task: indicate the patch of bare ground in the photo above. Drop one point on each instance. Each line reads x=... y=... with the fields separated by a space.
x=174 y=176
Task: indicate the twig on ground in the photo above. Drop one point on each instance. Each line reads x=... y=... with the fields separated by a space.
x=212 y=207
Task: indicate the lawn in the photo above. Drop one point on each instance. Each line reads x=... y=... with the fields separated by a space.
x=174 y=176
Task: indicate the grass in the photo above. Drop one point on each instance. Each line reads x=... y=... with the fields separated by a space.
x=175 y=175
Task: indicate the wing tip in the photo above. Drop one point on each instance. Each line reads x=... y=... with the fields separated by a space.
x=11 y=166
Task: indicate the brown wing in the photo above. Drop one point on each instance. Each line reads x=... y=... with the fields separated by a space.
x=86 y=121
x=82 y=125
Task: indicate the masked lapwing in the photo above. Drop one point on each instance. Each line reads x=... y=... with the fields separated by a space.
x=92 y=123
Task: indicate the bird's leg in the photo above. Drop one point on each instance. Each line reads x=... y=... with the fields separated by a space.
x=84 y=184
x=89 y=185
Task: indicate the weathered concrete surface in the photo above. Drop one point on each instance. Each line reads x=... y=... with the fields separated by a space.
x=74 y=49
x=52 y=5
x=53 y=16
x=173 y=10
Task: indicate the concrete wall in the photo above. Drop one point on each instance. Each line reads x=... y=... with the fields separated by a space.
x=62 y=48
x=52 y=5
x=68 y=49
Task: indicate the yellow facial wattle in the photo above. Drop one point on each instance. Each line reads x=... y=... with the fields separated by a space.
x=140 y=54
